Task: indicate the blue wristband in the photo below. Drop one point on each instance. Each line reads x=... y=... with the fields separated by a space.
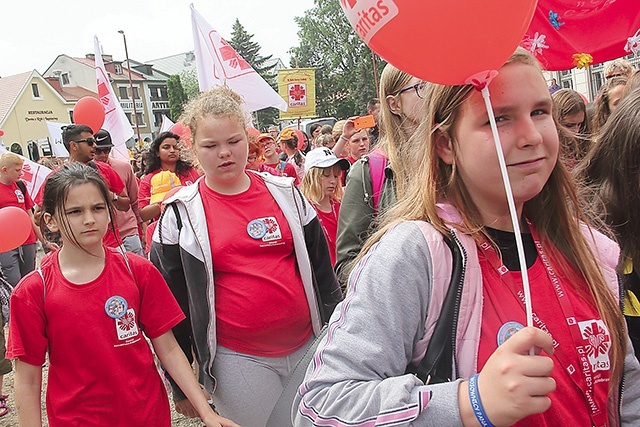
x=476 y=403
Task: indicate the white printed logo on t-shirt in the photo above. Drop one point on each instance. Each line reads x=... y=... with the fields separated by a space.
x=598 y=343
x=273 y=229
x=126 y=326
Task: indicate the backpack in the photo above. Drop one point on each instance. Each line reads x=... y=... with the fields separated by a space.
x=377 y=165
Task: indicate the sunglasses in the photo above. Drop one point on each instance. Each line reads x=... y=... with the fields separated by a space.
x=103 y=150
x=89 y=141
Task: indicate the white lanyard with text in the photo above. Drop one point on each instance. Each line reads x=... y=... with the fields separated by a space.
x=585 y=381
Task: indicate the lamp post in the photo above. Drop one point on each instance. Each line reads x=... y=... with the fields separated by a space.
x=133 y=98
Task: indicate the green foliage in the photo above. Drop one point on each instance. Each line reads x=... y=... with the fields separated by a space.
x=242 y=42
x=177 y=97
x=345 y=79
x=189 y=80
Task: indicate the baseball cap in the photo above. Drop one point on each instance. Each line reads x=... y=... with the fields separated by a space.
x=264 y=136
x=161 y=184
x=323 y=157
x=288 y=134
x=103 y=139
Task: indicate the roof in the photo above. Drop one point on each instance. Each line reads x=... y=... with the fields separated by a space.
x=10 y=88
x=174 y=64
x=70 y=93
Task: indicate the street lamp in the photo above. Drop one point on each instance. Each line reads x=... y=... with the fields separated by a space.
x=133 y=98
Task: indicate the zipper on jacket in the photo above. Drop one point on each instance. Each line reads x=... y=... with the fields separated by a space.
x=454 y=329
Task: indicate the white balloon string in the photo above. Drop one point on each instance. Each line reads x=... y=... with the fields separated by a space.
x=515 y=220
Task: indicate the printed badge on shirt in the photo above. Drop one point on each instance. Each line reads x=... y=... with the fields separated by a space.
x=19 y=196
x=266 y=229
x=126 y=326
x=596 y=334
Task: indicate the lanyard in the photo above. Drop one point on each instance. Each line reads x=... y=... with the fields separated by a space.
x=584 y=382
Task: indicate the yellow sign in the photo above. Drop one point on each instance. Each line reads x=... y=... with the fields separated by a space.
x=297 y=86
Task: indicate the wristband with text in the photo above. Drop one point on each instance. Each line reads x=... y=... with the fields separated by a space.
x=476 y=403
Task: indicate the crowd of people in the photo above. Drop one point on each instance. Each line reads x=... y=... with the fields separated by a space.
x=226 y=256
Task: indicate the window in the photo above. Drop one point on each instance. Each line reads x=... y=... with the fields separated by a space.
x=140 y=120
x=136 y=93
x=130 y=118
x=35 y=90
x=118 y=68
x=64 y=78
x=124 y=94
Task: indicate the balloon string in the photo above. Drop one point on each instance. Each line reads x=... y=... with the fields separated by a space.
x=515 y=220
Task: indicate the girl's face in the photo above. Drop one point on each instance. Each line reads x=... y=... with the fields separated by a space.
x=316 y=132
x=359 y=144
x=330 y=180
x=523 y=109
x=253 y=161
x=169 y=151
x=410 y=104
x=222 y=148
x=87 y=217
x=573 y=121
x=615 y=94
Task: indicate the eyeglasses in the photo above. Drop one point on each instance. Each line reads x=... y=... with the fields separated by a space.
x=89 y=141
x=252 y=157
x=420 y=88
x=103 y=150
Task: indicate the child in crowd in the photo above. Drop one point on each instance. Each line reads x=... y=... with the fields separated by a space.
x=245 y=256
x=87 y=307
x=359 y=375
x=321 y=186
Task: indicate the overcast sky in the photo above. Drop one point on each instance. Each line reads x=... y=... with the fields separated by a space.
x=34 y=32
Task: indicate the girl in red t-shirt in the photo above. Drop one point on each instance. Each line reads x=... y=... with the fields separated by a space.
x=321 y=185
x=87 y=307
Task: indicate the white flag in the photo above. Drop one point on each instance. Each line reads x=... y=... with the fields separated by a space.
x=219 y=64
x=33 y=174
x=115 y=121
x=166 y=124
x=55 y=138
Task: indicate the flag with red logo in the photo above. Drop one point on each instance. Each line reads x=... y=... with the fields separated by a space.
x=33 y=174
x=115 y=120
x=297 y=86
x=218 y=64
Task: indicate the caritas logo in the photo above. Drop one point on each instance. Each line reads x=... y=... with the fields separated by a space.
x=369 y=16
x=297 y=94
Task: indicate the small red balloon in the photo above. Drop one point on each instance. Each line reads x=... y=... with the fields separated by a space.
x=1 y=132
x=89 y=111
x=16 y=225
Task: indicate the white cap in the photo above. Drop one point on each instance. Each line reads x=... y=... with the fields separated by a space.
x=323 y=157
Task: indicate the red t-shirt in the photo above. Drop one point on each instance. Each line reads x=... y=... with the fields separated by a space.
x=286 y=170
x=329 y=222
x=115 y=185
x=11 y=195
x=101 y=370
x=261 y=306
x=187 y=177
x=569 y=406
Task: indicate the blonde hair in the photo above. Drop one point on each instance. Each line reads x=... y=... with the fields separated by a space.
x=217 y=102
x=394 y=142
x=324 y=140
x=338 y=127
x=555 y=212
x=10 y=159
x=311 y=185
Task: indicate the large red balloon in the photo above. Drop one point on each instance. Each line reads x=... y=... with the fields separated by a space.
x=441 y=41
x=89 y=111
x=16 y=227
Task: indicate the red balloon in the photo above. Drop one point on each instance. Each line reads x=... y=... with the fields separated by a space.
x=16 y=227
x=253 y=132
x=441 y=41
x=89 y=111
x=183 y=132
x=1 y=132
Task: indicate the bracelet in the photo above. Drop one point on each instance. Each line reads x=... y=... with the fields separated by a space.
x=344 y=137
x=476 y=403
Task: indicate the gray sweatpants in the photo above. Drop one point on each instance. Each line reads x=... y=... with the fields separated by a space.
x=248 y=387
x=17 y=263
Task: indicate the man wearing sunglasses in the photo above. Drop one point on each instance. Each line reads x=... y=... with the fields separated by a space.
x=81 y=145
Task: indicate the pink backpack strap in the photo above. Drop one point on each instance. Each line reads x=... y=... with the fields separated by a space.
x=377 y=164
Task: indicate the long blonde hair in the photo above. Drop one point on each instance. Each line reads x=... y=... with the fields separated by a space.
x=311 y=185
x=555 y=212
x=393 y=141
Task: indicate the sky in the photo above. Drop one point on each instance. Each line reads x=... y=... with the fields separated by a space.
x=34 y=32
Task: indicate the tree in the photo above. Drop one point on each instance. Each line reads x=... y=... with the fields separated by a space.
x=242 y=42
x=176 y=96
x=345 y=79
x=190 y=85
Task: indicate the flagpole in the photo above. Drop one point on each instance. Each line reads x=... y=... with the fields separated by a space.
x=133 y=98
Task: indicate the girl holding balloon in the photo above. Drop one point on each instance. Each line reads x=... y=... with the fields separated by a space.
x=567 y=370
